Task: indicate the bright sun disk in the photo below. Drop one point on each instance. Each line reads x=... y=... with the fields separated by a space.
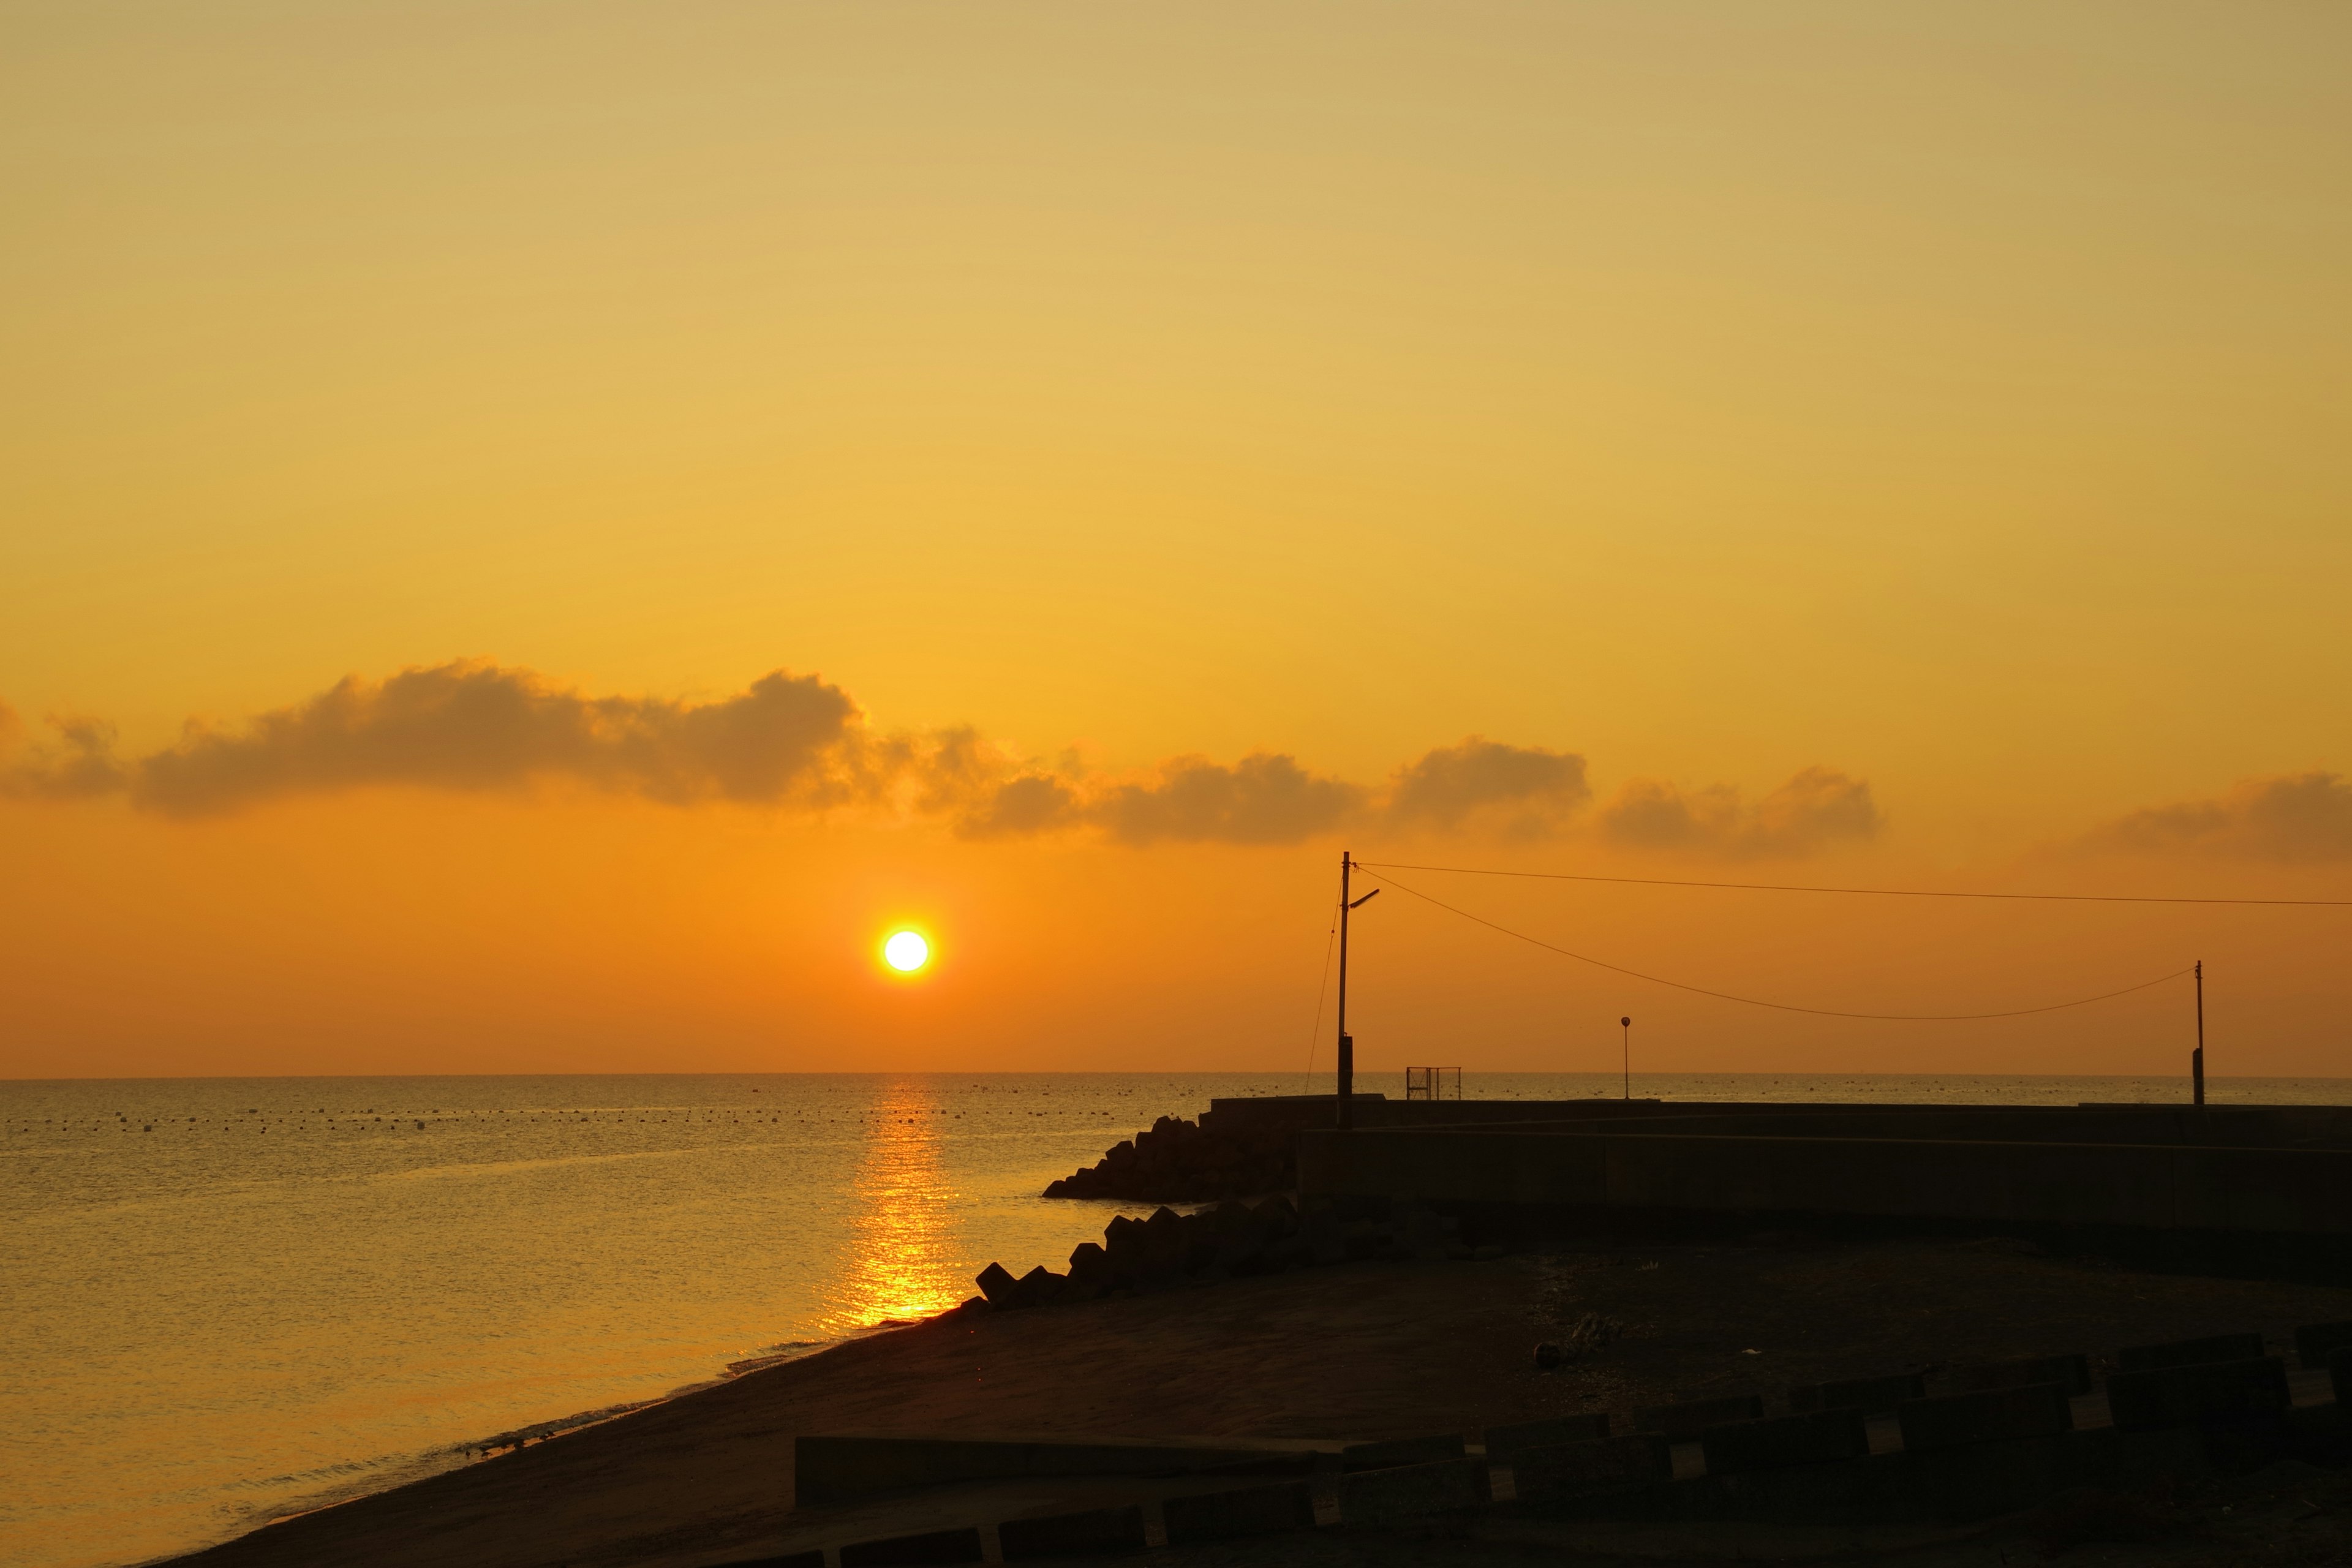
x=905 y=952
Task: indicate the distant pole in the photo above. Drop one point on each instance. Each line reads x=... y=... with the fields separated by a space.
x=1347 y=1046
x=2197 y=1061
x=1627 y=1026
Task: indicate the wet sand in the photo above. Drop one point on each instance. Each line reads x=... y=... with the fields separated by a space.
x=1366 y=1350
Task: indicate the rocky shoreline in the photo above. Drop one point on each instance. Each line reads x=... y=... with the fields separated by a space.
x=1179 y=1161
x=1233 y=1240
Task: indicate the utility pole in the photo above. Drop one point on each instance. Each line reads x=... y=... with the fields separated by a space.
x=1627 y=1026
x=2197 y=1061
x=1346 y=1041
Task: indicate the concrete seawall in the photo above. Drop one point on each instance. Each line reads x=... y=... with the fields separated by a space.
x=2173 y=1187
x=2231 y=1126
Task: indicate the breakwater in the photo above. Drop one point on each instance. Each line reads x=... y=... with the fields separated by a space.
x=2260 y=1187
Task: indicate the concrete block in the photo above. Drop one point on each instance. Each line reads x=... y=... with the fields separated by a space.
x=813 y=1558
x=1816 y=1438
x=1589 y=1469
x=2315 y=1344
x=1982 y=1480
x=1401 y=1493
x=2071 y=1372
x=2339 y=1373
x=838 y=1468
x=1502 y=1442
x=934 y=1546
x=1996 y=1415
x=2191 y=1352
x=1247 y=1510
x=1069 y=1534
x=2197 y=1395
x=1874 y=1396
x=1682 y=1422
x=996 y=1283
x=1401 y=1451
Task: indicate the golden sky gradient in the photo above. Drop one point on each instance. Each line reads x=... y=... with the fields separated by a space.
x=1815 y=443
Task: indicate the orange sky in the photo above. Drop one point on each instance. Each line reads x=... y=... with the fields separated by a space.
x=1820 y=444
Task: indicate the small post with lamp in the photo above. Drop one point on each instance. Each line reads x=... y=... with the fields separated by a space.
x=1347 y=1086
x=1627 y=1026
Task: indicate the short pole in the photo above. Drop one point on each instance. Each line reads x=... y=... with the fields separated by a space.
x=2197 y=1060
x=1627 y=1026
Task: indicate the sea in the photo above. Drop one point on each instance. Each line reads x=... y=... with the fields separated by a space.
x=226 y=1300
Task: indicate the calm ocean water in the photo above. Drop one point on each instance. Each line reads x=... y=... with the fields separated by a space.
x=228 y=1299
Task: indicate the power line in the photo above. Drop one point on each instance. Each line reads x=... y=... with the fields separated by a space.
x=1756 y=1001
x=1322 y=989
x=1873 y=892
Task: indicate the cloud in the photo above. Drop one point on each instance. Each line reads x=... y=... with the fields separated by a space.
x=477 y=726
x=795 y=743
x=1032 y=804
x=1262 y=799
x=2304 y=818
x=1524 y=790
x=80 y=765
x=1814 y=810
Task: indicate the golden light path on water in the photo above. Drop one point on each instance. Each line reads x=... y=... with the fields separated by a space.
x=903 y=1260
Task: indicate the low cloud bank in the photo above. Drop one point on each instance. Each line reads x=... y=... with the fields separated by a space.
x=1817 y=809
x=2294 y=819
x=796 y=742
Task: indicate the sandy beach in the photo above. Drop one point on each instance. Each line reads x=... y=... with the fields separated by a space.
x=1360 y=1351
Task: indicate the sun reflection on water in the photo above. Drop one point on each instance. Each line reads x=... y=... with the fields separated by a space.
x=902 y=1262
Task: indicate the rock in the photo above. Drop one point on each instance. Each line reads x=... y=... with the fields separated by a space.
x=1039 y=1288
x=1174 y=1161
x=1548 y=1356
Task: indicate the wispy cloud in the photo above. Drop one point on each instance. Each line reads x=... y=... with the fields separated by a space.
x=796 y=742
x=1816 y=809
x=2301 y=818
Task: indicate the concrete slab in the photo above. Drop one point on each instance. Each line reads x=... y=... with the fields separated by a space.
x=2071 y=1372
x=2315 y=1343
x=2198 y=1394
x=1687 y=1420
x=936 y=1546
x=1403 y=1451
x=1994 y=1416
x=1817 y=1437
x=1872 y=1394
x=1589 y=1469
x=1100 y=1530
x=2189 y=1353
x=1502 y=1442
x=1244 y=1511
x=840 y=1466
x=1399 y=1493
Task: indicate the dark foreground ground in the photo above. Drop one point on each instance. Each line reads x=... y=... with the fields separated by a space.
x=1376 y=1350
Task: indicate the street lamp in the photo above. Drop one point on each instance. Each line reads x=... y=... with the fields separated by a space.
x=1627 y=1026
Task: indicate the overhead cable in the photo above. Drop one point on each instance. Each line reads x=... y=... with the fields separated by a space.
x=1758 y=1002
x=1872 y=892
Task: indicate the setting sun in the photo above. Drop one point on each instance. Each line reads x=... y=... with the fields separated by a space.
x=905 y=952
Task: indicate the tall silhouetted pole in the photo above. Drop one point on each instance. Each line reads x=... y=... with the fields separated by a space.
x=2197 y=1060
x=1627 y=1026
x=1347 y=1043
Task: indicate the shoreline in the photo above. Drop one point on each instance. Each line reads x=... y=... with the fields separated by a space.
x=1363 y=1349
